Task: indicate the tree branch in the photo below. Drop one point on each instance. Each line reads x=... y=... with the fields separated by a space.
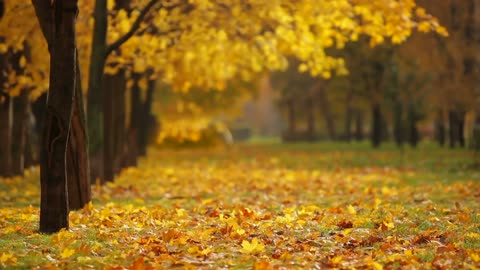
x=115 y=45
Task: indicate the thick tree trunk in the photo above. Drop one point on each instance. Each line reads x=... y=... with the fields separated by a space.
x=376 y=130
x=54 y=206
x=78 y=167
x=19 y=131
x=147 y=123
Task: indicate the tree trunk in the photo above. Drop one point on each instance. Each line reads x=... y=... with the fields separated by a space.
x=147 y=124
x=440 y=130
x=5 y=135
x=292 y=125
x=95 y=93
x=119 y=118
x=452 y=129
x=461 y=128
x=108 y=128
x=414 y=135
x=310 y=120
x=376 y=131
x=54 y=206
x=327 y=113
x=359 y=134
x=135 y=118
x=398 y=133
x=78 y=167
x=19 y=131
x=348 y=117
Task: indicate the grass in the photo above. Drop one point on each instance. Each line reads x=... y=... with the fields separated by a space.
x=299 y=200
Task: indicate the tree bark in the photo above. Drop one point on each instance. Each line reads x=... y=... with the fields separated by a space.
x=54 y=206
x=119 y=118
x=292 y=124
x=5 y=135
x=359 y=134
x=310 y=120
x=148 y=120
x=19 y=131
x=414 y=135
x=78 y=167
x=135 y=118
x=95 y=93
x=452 y=129
x=440 y=130
x=108 y=129
x=376 y=131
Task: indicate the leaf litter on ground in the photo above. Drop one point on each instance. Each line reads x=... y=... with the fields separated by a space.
x=258 y=207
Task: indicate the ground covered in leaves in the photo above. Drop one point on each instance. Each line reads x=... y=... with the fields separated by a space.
x=262 y=207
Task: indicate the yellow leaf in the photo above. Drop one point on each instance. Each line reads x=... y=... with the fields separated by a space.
x=67 y=253
x=351 y=210
x=8 y=257
x=252 y=247
x=377 y=266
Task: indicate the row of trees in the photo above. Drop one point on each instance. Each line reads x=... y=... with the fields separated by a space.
x=394 y=87
x=183 y=43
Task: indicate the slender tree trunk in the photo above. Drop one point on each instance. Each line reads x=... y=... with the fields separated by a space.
x=348 y=117
x=148 y=120
x=19 y=131
x=310 y=120
x=54 y=206
x=414 y=135
x=135 y=118
x=78 y=167
x=119 y=118
x=398 y=133
x=461 y=128
x=5 y=135
x=292 y=125
x=440 y=130
x=327 y=112
x=359 y=133
x=95 y=93
x=452 y=129
x=376 y=130
x=108 y=129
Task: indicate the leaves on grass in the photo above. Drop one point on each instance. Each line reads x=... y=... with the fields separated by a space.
x=250 y=209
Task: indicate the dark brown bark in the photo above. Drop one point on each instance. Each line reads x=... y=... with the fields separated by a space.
x=147 y=122
x=376 y=130
x=19 y=132
x=5 y=119
x=108 y=129
x=5 y=135
x=292 y=124
x=78 y=167
x=54 y=206
x=359 y=133
x=120 y=130
x=310 y=120
x=452 y=129
x=135 y=118
x=326 y=112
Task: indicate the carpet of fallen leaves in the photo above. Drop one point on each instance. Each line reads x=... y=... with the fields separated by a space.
x=258 y=207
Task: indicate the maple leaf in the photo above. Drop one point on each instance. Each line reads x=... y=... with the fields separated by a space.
x=252 y=247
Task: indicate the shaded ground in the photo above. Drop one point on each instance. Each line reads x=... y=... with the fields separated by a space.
x=263 y=206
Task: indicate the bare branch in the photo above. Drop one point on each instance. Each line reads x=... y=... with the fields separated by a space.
x=115 y=45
